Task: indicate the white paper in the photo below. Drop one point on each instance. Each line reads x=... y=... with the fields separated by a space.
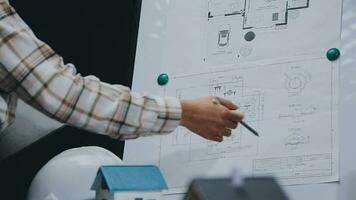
x=274 y=67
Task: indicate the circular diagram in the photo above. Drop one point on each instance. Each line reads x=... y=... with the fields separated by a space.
x=296 y=83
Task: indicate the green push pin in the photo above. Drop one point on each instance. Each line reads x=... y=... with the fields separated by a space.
x=333 y=54
x=162 y=79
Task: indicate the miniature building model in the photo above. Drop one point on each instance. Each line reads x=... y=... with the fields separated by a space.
x=264 y=188
x=129 y=183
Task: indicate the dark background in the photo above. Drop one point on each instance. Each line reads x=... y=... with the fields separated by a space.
x=99 y=38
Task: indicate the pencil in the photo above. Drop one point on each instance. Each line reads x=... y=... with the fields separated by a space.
x=249 y=128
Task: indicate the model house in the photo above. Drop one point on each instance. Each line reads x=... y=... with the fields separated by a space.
x=129 y=183
x=260 y=188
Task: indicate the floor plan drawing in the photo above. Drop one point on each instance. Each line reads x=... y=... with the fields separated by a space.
x=220 y=8
x=265 y=14
x=255 y=13
x=228 y=20
x=222 y=40
x=298 y=4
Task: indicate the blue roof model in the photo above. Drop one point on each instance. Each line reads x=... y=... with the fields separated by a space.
x=126 y=178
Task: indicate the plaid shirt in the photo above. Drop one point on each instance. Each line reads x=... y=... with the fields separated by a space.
x=32 y=71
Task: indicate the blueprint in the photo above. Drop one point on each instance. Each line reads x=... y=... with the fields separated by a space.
x=268 y=57
x=239 y=31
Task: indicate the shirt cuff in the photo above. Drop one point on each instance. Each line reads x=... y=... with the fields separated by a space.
x=169 y=115
x=159 y=116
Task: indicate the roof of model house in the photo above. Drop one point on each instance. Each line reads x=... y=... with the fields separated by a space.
x=127 y=178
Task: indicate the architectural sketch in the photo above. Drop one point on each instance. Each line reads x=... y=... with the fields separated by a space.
x=227 y=87
x=265 y=14
x=298 y=4
x=224 y=36
x=223 y=39
x=292 y=116
x=294 y=167
x=233 y=88
x=228 y=20
x=296 y=140
x=291 y=147
x=296 y=110
x=267 y=57
x=252 y=107
x=220 y=8
x=255 y=13
x=295 y=83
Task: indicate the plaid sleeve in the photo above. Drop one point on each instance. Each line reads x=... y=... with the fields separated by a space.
x=32 y=70
x=8 y=104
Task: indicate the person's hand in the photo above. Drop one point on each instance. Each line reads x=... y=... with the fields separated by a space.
x=210 y=117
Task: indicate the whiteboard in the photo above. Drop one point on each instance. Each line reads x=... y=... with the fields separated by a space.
x=151 y=39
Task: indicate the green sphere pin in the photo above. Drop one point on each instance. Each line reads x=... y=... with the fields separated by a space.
x=162 y=79
x=333 y=54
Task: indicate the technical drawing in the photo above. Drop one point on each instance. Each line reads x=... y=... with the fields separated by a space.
x=316 y=165
x=232 y=147
x=265 y=14
x=222 y=40
x=295 y=140
x=291 y=147
x=262 y=56
x=295 y=83
x=298 y=111
x=227 y=88
x=218 y=8
x=269 y=14
x=251 y=103
x=224 y=36
x=238 y=145
x=297 y=4
x=252 y=107
x=228 y=20
x=241 y=143
x=293 y=14
x=256 y=13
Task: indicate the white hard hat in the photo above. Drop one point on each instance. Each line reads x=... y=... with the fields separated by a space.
x=69 y=175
